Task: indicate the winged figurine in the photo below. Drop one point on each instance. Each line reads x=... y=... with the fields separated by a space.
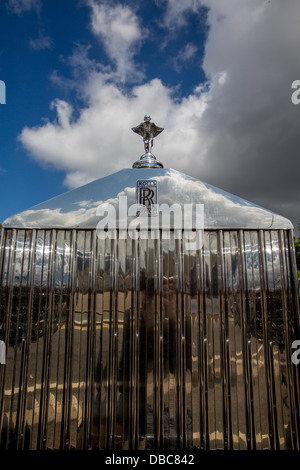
x=148 y=130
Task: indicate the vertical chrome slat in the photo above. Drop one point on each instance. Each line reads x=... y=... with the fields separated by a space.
x=54 y=346
x=129 y=322
x=203 y=381
x=74 y=341
x=220 y=332
x=274 y=327
x=141 y=352
x=48 y=422
x=230 y=377
x=97 y=384
x=91 y=353
x=293 y=330
x=165 y=345
x=179 y=289
x=84 y=324
x=215 y=408
x=279 y=349
x=11 y=358
x=63 y=326
x=57 y=362
x=123 y=346
x=294 y=321
x=160 y=355
x=8 y=377
x=63 y=318
x=5 y=318
x=118 y=344
x=210 y=415
x=186 y=346
x=150 y=325
x=34 y=372
x=70 y=292
x=42 y=301
x=108 y=343
x=26 y=402
x=134 y=341
x=224 y=428
x=259 y=347
x=157 y=339
x=137 y=406
x=96 y=347
x=147 y=325
x=289 y=419
x=241 y=365
x=253 y=303
x=264 y=246
x=240 y=338
x=243 y=244
x=197 y=352
x=193 y=348
x=103 y=358
x=79 y=352
x=249 y=307
x=235 y=342
x=113 y=359
x=175 y=375
x=88 y=315
x=87 y=321
x=19 y=311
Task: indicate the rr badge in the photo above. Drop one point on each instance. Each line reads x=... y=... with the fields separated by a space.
x=147 y=197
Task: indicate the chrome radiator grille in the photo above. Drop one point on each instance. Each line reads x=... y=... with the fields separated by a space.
x=142 y=344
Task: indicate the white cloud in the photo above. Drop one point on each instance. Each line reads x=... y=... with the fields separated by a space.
x=176 y=11
x=241 y=134
x=119 y=30
x=20 y=6
x=188 y=51
x=100 y=140
x=185 y=55
x=41 y=43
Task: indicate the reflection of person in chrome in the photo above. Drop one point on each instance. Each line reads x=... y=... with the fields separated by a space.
x=159 y=353
x=148 y=130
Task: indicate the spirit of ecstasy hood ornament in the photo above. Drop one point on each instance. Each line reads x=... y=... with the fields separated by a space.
x=148 y=130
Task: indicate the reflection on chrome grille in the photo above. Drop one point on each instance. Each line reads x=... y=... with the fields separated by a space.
x=142 y=344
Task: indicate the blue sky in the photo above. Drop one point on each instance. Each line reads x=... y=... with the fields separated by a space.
x=216 y=75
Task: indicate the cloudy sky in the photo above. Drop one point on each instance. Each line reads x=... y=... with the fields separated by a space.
x=217 y=75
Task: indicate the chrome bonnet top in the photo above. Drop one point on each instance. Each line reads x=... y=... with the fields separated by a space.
x=78 y=208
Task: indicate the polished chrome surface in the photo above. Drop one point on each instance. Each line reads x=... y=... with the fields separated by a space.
x=148 y=160
x=148 y=130
x=143 y=344
x=77 y=208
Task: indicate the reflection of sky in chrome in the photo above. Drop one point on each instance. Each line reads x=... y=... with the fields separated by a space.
x=253 y=256
x=77 y=208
